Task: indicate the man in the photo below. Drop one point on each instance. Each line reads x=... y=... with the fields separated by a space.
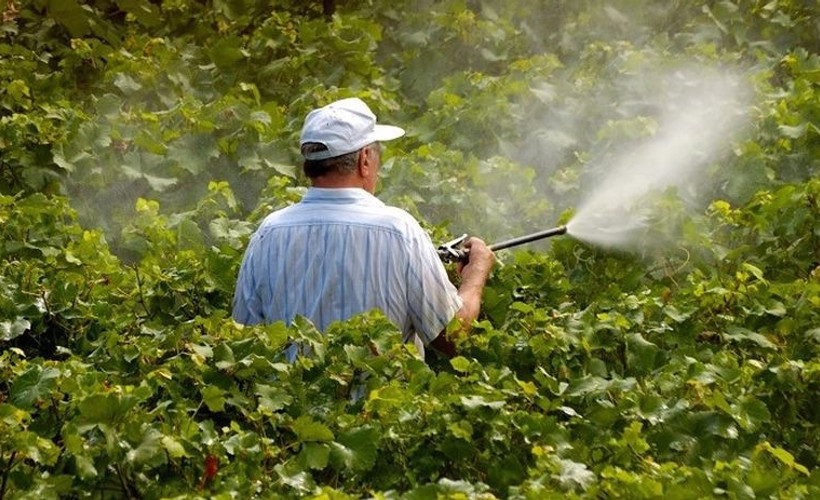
x=341 y=251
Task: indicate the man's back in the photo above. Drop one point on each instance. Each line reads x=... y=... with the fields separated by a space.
x=341 y=252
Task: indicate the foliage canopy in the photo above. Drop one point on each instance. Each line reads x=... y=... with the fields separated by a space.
x=142 y=140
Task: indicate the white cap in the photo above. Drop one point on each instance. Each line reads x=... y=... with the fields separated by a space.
x=343 y=127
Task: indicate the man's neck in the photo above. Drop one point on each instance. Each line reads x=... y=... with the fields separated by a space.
x=338 y=181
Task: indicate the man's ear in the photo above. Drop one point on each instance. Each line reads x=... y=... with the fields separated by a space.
x=363 y=164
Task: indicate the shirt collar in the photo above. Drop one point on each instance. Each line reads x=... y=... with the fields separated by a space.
x=340 y=196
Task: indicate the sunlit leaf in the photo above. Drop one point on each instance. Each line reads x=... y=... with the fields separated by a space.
x=12 y=329
x=307 y=429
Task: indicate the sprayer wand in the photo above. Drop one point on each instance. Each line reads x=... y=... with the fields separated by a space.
x=449 y=252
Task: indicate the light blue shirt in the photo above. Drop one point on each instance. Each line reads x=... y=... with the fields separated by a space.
x=341 y=252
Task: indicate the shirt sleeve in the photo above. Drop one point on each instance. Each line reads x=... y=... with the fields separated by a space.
x=433 y=300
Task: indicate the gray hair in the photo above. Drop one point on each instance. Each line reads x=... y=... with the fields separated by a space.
x=343 y=164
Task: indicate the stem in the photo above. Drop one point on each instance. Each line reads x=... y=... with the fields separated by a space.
x=6 y=475
x=124 y=484
x=139 y=288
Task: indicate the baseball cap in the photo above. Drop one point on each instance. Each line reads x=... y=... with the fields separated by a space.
x=343 y=127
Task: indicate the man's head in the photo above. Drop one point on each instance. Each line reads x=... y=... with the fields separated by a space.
x=338 y=137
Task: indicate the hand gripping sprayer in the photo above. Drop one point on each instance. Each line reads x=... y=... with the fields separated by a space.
x=450 y=251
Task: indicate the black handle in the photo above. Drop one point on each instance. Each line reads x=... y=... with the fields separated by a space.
x=449 y=252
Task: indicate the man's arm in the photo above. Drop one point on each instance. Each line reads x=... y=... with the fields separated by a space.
x=474 y=275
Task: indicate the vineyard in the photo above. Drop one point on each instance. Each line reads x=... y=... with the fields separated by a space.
x=142 y=141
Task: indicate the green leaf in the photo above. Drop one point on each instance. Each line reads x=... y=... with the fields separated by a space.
x=71 y=15
x=737 y=333
x=272 y=398
x=307 y=429
x=227 y=51
x=460 y=363
x=143 y=11
x=475 y=401
x=13 y=329
x=126 y=83
x=194 y=152
x=641 y=355
x=315 y=455
x=249 y=159
x=754 y=270
x=261 y=117
x=159 y=183
x=85 y=467
x=676 y=315
x=143 y=166
x=461 y=429
x=813 y=334
x=34 y=384
x=294 y=476
x=36 y=448
x=793 y=132
x=776 y=308
x=106 y=408
x=18 y=90
x=587 y=385
x=109 y=106
x=573 y=474
x=281 y=168
x=356 y=449
x=229 y=230
x=204 y=351
x=223 y=356
x=752 y=414
x=189 y=236
x=150 y=452
x=173 y=447
x=246 y=444
x=448 y=489
x=784 y=457
x=522 y=307
x=213 y=397
x=509 y=471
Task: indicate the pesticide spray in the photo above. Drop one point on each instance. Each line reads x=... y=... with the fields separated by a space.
x=696 y=123
x=696 y=127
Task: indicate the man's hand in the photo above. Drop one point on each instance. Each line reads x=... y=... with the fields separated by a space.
x=474 y=275
x=480 y=263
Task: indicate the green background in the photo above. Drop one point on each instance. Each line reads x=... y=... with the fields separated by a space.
x=141 y=141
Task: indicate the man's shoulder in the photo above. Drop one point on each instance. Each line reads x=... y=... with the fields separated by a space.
x=277 y=215
x=375 y=215
x=400 y=220
x=399 y=214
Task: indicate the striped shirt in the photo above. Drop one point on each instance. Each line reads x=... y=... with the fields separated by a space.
x=341 y=252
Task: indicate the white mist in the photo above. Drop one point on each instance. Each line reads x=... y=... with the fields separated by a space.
x=697 y=124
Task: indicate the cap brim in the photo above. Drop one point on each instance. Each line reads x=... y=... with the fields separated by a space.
x=380 y=133
x=387 y=132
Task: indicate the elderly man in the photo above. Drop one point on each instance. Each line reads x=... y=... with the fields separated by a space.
x=340 y=251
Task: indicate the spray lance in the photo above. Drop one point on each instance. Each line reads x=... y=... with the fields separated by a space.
x=449 y=252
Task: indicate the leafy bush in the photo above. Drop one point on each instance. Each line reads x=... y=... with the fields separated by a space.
x=142 y=141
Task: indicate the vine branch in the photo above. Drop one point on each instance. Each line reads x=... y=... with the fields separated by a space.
x=141 y=294
x=6 y=475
